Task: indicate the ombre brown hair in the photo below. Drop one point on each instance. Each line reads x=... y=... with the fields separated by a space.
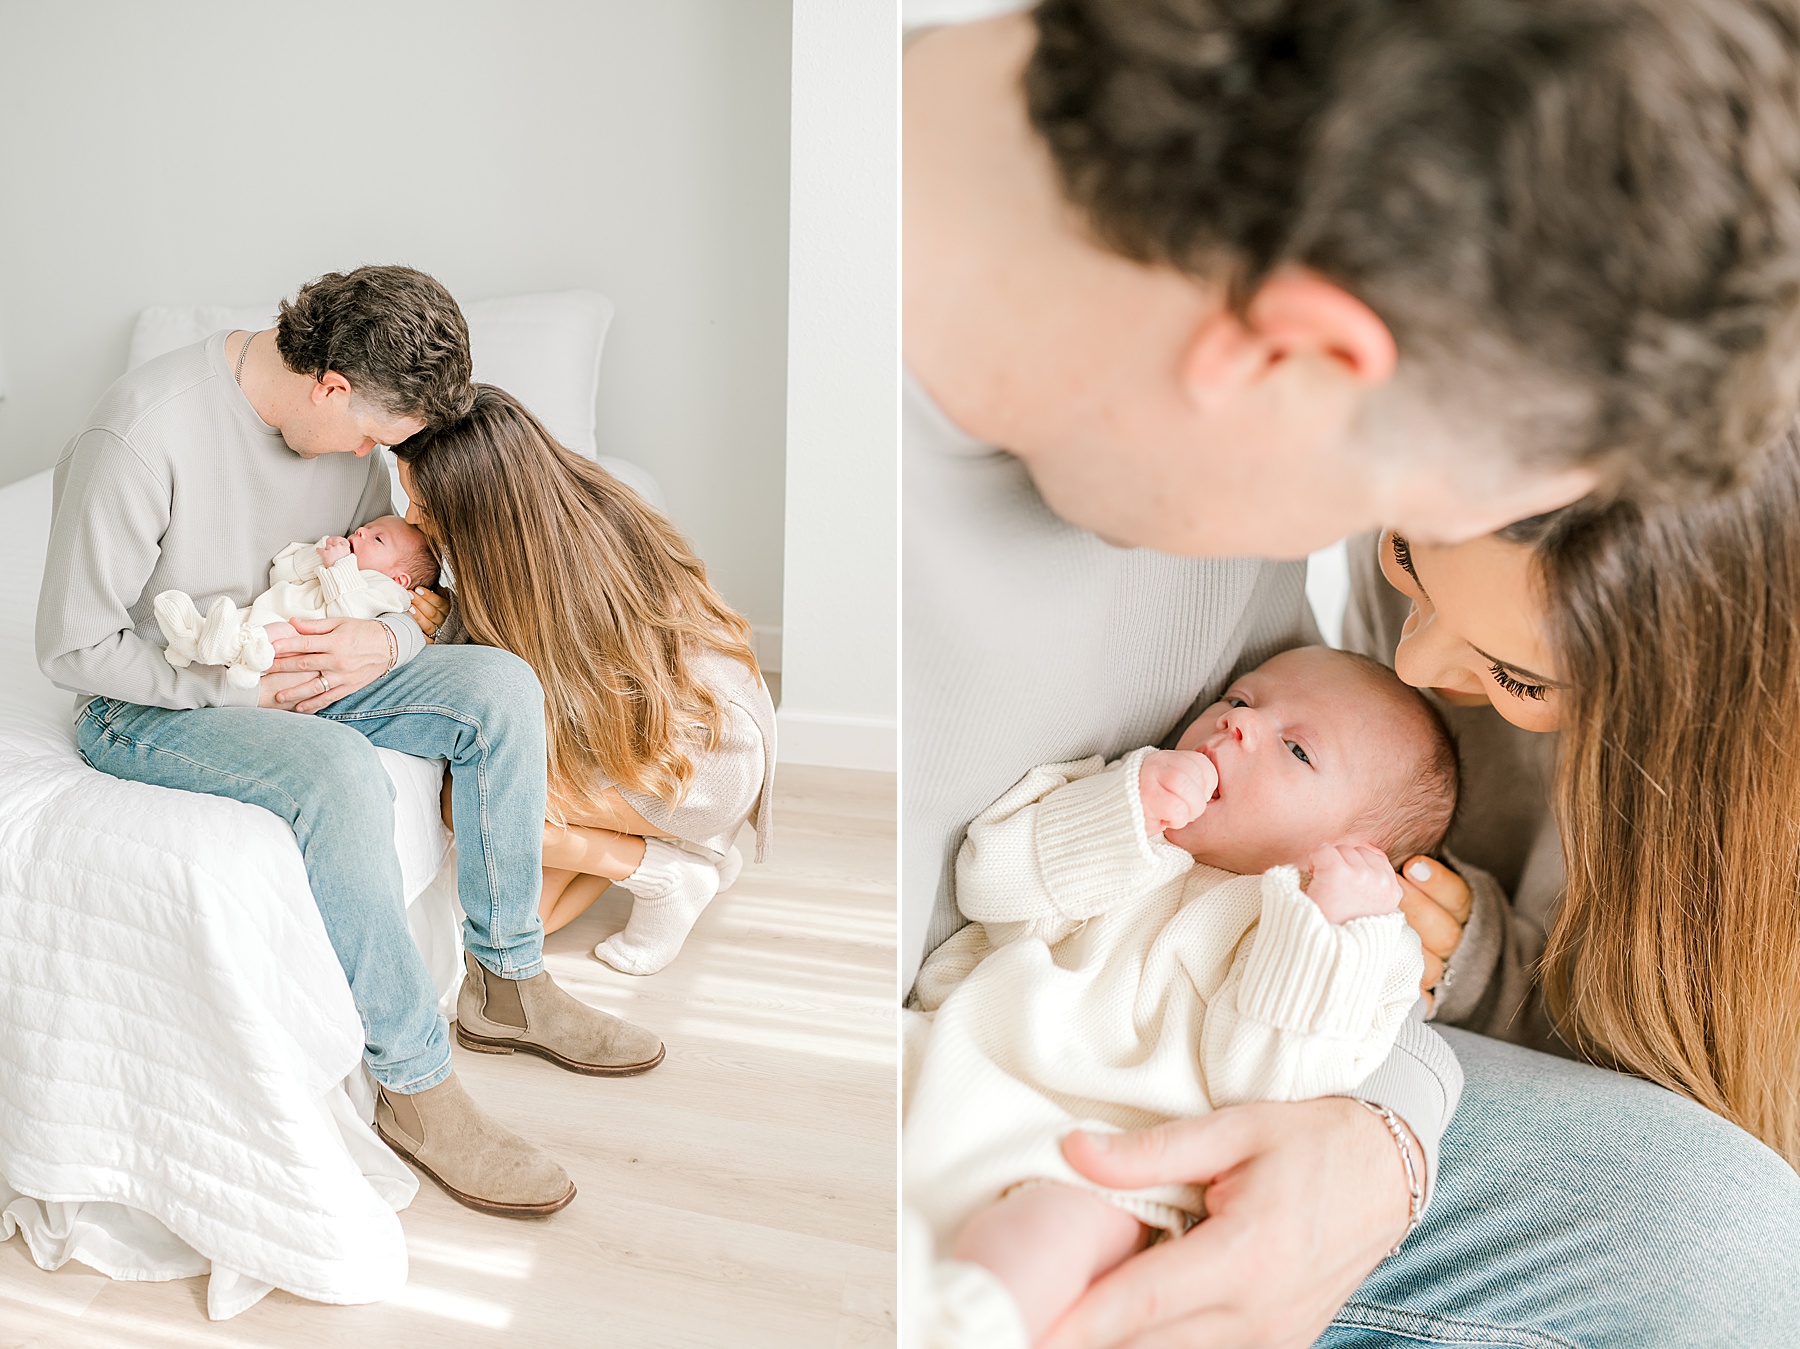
x=557 y=561
x=1676 y=954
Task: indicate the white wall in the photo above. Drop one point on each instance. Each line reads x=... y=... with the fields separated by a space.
x=838 y=641
x=221 y=152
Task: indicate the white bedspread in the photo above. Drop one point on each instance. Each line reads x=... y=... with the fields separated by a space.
x=180 y=1062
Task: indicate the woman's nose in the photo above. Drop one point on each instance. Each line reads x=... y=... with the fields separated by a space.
x=1429 y=657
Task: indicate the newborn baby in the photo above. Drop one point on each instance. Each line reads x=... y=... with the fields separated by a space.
x=364 y=576
x=1151 y=939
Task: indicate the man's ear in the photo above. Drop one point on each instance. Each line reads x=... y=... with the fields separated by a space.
x=1295 y=315
x=329 y=383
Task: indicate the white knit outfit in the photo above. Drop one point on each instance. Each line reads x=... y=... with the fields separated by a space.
x=1109 y=981
x=300 y=586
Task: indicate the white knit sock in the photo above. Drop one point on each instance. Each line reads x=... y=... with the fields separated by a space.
x=729 y=868
x=670 y=888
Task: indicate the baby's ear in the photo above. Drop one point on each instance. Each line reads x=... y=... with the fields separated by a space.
x=403 y=579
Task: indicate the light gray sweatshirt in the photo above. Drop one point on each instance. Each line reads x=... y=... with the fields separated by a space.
x=1029 y=641
x=175 y=483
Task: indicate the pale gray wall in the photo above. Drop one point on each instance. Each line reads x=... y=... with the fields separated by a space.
x=839 y=647
x=194 y=151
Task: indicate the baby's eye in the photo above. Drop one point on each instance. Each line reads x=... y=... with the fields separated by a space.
x=1232 y=700
x=1300 y=754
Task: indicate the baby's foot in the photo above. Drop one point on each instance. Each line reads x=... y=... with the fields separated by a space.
x=671 y=889
x=258 y=652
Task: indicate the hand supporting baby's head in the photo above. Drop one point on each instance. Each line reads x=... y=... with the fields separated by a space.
x=1311 y=750
x=390 y=546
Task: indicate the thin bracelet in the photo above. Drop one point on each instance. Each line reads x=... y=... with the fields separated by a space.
x=393 y=649
x=1414 y=1190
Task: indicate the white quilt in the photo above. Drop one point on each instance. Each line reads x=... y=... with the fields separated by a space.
x=181 y=1088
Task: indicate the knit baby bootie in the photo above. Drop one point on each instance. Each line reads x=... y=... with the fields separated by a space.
x=670 y=889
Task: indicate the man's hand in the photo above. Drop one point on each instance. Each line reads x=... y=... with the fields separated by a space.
x=1436 y=901
x=1304 y=1198
x=336 y=656
x=1352 y=881
x=1175 y=786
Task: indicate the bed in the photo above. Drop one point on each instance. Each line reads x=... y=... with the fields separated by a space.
x=181 y=1089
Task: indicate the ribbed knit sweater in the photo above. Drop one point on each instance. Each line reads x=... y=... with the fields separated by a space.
x=1027 y=641
x=1108 y=980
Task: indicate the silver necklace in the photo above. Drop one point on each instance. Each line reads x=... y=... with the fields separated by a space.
x=243 y=351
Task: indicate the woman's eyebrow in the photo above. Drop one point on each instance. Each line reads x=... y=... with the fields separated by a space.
x=1519 y=670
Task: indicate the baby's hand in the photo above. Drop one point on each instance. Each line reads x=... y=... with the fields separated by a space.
x=1175 y=786
x=333 y=549
x=1353 y=881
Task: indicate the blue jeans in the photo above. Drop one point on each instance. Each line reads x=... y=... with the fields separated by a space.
x=478 y=707
x=1579 y=1207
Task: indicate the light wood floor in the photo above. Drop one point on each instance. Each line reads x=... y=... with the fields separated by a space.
x=741 y=1194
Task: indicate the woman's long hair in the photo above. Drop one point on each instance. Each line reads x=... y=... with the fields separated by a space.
x=1676 y=954
x=557 y=561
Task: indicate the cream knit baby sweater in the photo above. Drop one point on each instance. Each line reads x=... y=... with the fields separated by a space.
x=300 y=586
x=1107 y=980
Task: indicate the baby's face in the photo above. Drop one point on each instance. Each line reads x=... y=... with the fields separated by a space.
x=1303 y=745
x=386 y=545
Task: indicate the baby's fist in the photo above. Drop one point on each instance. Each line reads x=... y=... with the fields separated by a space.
x=1175 y=786
x=1353 y=881
x=333 y=549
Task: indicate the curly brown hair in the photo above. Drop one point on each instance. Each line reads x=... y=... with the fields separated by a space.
x=1585 y=213
x=393 y=332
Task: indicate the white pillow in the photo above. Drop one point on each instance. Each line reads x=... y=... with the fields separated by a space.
x=543 y=349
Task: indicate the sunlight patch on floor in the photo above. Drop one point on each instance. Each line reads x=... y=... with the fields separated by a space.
x=442 y=1302
x=491 y=1260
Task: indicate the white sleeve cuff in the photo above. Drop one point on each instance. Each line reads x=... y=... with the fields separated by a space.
x=1091 y=843
x=1313 y=977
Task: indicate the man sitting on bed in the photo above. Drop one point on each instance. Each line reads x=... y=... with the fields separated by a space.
x=193 y=470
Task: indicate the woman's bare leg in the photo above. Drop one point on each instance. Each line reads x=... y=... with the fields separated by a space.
x=567 y=895
x=597 y=852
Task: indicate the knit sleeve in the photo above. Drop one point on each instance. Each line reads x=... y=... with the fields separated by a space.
x=1309 y=1008
x=297 y=562
x=1067 y=842
x=111 y=509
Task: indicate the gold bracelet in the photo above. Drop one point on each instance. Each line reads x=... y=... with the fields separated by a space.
x=1415 y=1191
x=393 y=648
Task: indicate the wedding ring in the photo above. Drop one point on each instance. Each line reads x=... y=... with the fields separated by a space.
x=324 y=683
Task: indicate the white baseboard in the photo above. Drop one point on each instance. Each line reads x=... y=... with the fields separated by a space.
x=767 y=643
x=834 y=740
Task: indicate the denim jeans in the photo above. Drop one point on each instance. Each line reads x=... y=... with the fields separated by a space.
x=1580 y=1207
x=480 y=708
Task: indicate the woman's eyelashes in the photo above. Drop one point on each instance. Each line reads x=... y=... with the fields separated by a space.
x=1403 y=557
x=1517 y=687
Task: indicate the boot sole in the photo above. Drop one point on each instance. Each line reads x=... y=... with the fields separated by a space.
x=475 y=1202
x=485 y=1046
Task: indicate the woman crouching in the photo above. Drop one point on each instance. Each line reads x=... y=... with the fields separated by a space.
x=660 y=731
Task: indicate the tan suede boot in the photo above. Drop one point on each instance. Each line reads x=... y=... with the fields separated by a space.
x=478 y=1161
x=498 y=1016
